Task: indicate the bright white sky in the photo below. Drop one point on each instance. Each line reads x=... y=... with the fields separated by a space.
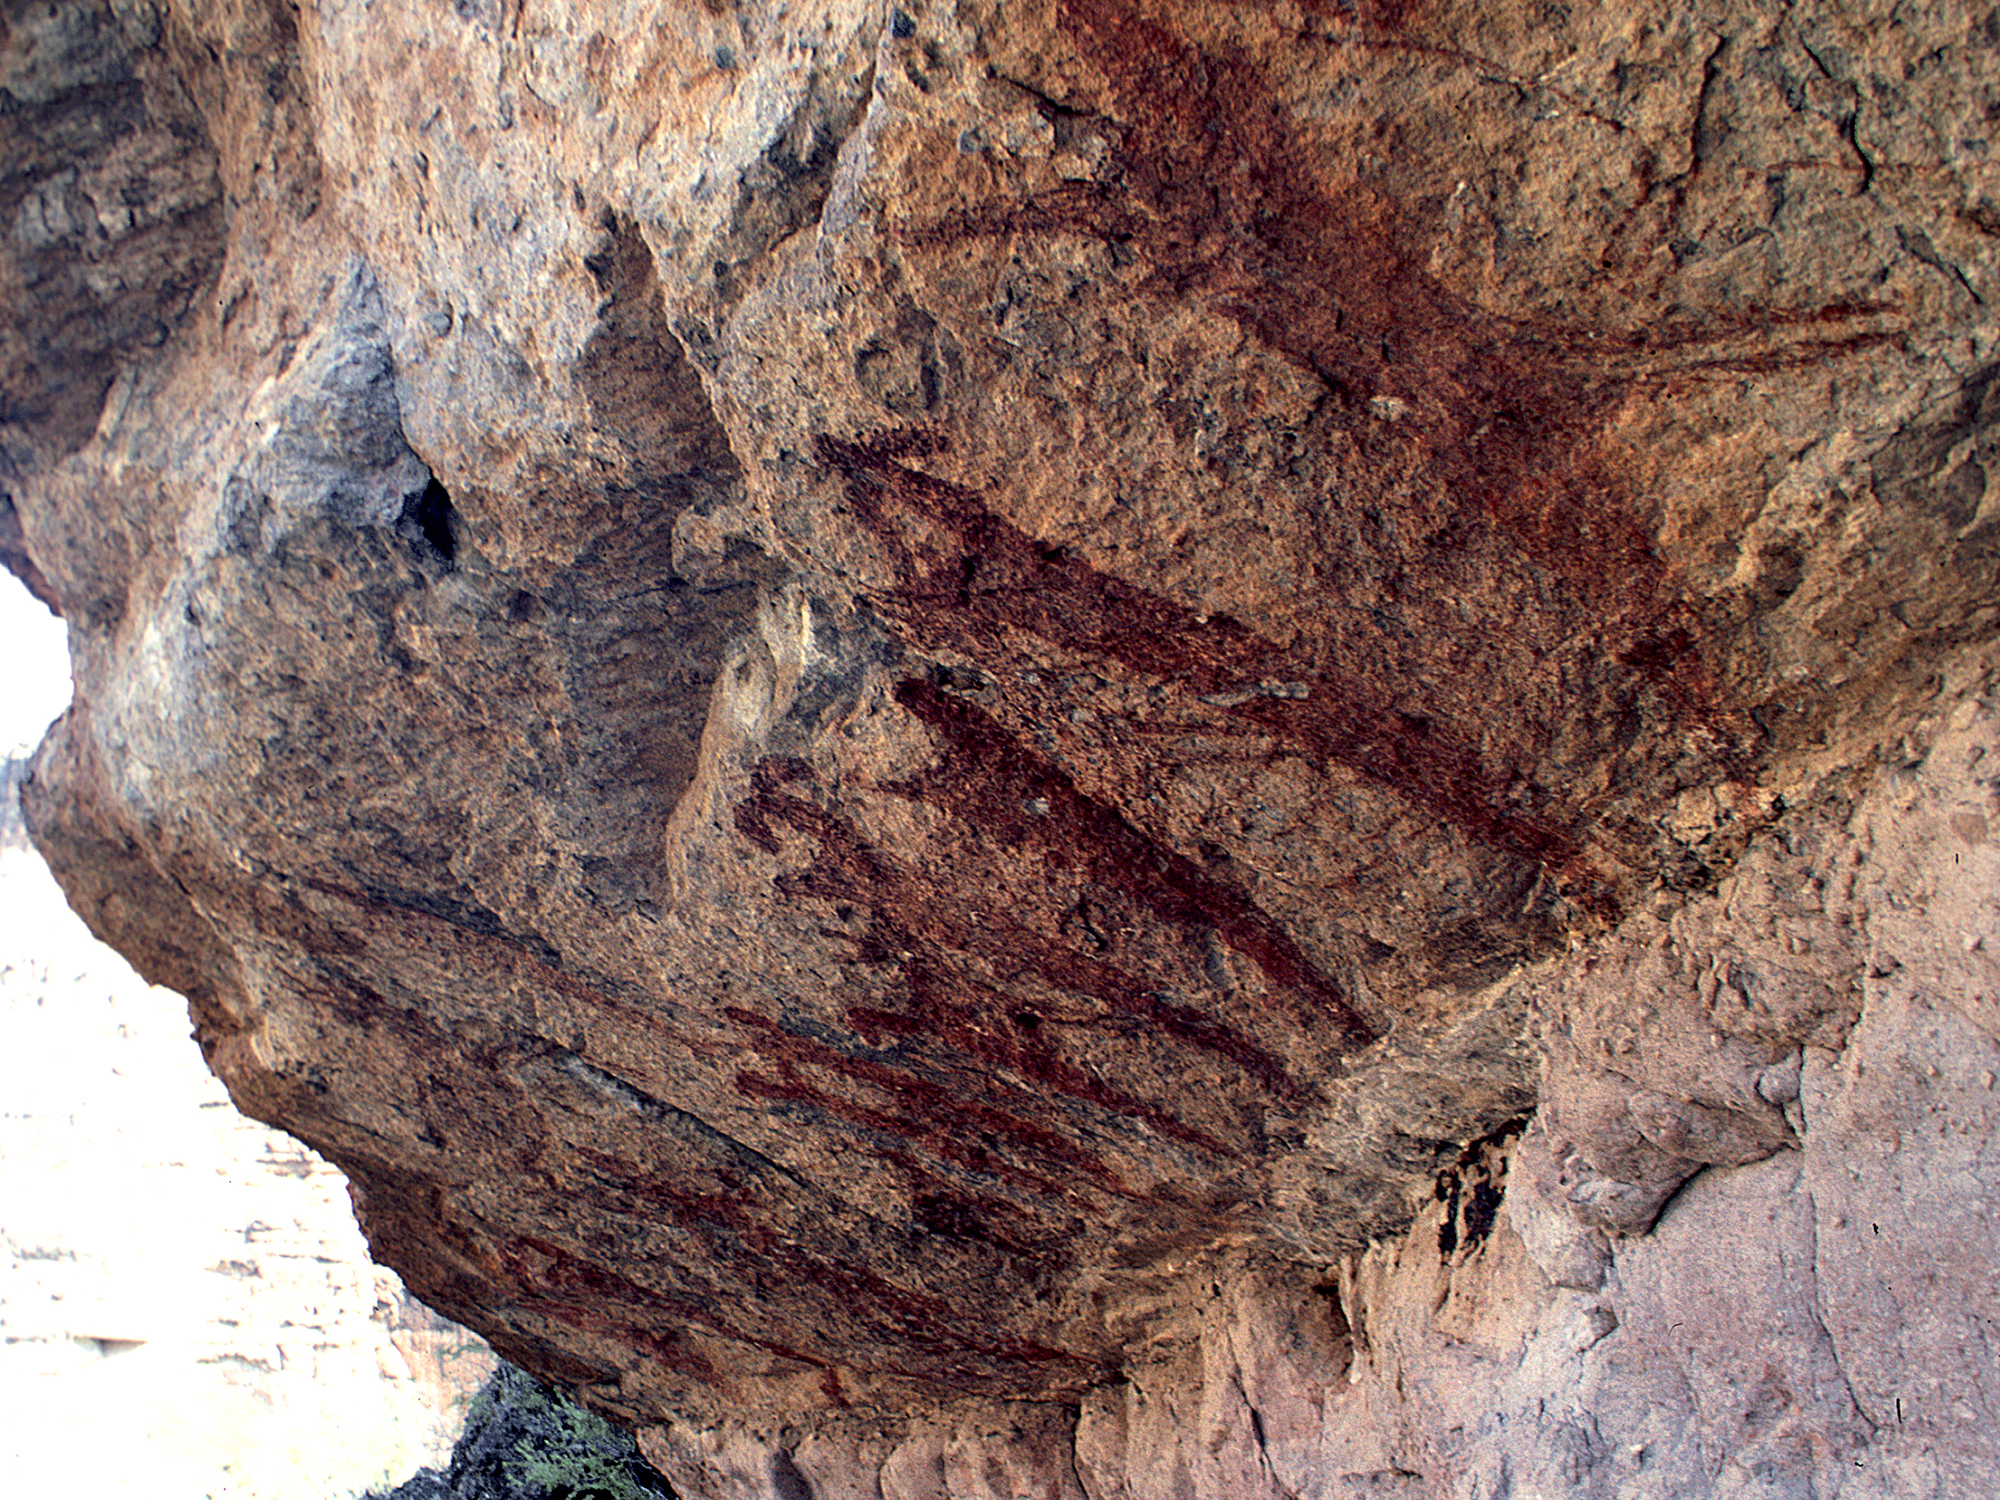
x=34 y=667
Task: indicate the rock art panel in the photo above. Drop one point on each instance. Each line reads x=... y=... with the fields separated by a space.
x=855 y=697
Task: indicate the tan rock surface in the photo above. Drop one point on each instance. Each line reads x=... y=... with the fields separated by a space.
x=851 y=696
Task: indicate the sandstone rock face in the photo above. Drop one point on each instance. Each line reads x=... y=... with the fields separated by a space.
x=896 y=716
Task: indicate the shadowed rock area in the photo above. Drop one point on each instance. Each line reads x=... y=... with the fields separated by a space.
x=1091 y=748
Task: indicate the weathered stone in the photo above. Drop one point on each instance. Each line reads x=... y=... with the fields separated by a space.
x=861 y=699
x=1811 y=1323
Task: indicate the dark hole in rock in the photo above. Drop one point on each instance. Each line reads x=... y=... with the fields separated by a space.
x=787 y=1483
x=426 y=524
x=1480 y=1211
x=1447 y=1190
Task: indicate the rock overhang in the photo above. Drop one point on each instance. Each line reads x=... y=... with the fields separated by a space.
x=833 y=715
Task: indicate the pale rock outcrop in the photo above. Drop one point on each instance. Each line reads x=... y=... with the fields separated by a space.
x=186 y=1310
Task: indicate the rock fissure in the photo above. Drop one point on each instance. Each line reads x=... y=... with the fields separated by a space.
x=1819 y=1318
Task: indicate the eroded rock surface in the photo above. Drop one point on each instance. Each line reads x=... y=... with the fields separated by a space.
x=895 y=716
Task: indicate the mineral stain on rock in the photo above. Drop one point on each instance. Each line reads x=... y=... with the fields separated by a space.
x=1103 y=748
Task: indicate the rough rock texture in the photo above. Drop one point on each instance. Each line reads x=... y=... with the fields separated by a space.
x=1816 y=1321
x=895 y=715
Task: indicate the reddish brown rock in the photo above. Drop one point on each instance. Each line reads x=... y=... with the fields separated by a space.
x=849 y=696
